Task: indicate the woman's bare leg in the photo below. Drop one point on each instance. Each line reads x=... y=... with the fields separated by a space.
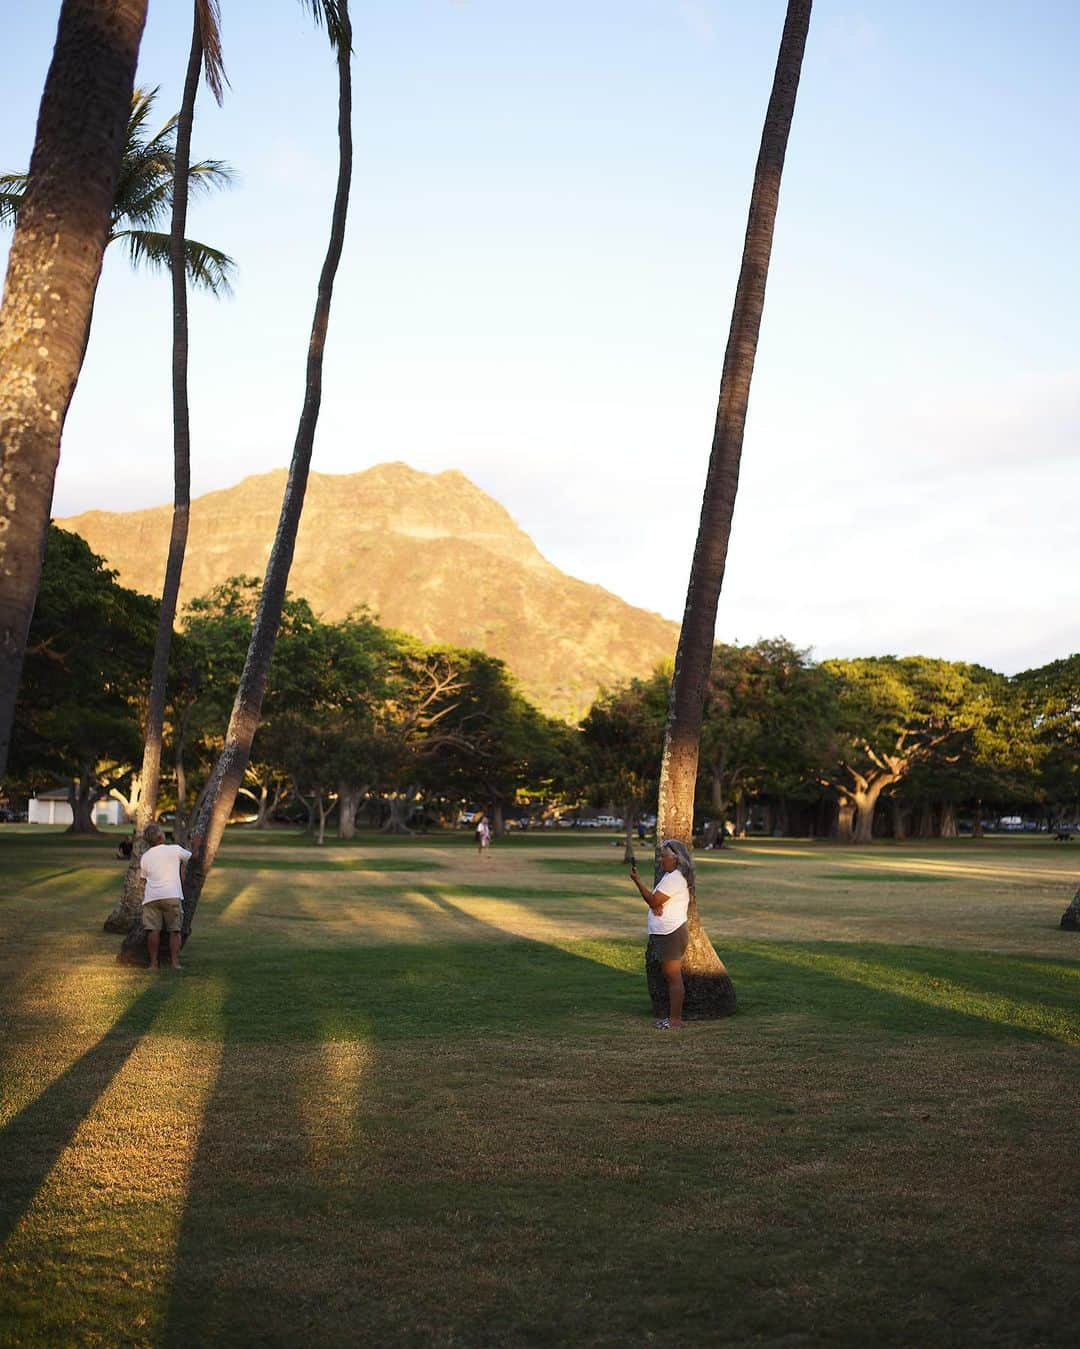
x=672 y=971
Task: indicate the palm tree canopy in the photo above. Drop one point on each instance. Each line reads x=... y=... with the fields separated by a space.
x=336 y=18
x=144 y=199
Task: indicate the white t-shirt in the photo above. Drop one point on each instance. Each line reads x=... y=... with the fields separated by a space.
x=673 y=914
x=161 y=867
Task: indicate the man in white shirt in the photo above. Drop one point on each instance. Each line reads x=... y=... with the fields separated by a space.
x=163 y=897
x=669 y=932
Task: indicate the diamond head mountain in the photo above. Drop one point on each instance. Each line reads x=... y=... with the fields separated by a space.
x=430 y=554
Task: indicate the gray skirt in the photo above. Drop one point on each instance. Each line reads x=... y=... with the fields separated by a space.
x=669 y=945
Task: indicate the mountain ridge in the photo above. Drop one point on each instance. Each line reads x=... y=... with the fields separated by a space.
x=431 y=554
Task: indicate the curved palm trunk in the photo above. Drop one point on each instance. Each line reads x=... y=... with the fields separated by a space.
x=228 y=772
x=128 y=905
x=708 y=988
x=53 y=271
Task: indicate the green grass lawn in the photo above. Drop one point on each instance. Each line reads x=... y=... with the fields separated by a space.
x=403 y=1095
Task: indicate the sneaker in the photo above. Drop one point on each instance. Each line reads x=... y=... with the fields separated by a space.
x=663 y=1024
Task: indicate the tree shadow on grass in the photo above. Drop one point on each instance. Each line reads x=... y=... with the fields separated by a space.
x=33 y=1141
x=360 y=864
x=258 y=1204
x=275 y=1248
x=911 y=990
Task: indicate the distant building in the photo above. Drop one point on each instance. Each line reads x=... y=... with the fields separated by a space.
x=53 y=808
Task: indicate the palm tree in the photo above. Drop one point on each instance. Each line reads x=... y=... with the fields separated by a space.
x=52 y=275
x=228 y=772
x=708 y=988
x=186 y=259
x=144 y=197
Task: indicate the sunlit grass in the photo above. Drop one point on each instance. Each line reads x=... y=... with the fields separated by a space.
x=421 y=1103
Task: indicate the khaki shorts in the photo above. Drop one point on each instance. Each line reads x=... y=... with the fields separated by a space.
x=158 y=914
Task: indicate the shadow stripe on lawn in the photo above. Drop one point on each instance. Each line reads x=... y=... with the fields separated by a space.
x=328 y=864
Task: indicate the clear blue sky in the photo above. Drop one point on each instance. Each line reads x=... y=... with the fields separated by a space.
x=547 y=216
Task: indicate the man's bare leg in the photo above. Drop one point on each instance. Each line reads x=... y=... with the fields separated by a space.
x=174 y=950
x=153 y=941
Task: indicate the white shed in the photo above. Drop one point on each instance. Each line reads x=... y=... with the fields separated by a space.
x=53 y=808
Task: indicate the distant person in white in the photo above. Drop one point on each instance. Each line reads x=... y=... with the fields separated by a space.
x=669 y=932
x=163 y=898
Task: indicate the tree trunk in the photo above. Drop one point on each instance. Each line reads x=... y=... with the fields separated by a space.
x=228 y=771
x=714 y=835
x=400 y=808
x=128 y=908
x=977 y=826
x=498 y=824
x=262 y=807
x=845 y=820
x=682 y=735
x=948 y=820
x=694 y=655
x=865 y=801
x=925 y=821
x=740 y=816
x=783 y=817
x=131 y=801
x=348 y=803
x=53 y=268
x=81 y=798
x=325 y=805
x=629 y=823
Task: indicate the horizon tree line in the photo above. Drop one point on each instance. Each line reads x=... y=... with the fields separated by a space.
x=359 y=715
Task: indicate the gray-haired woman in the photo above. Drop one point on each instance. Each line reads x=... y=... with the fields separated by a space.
x=669 y=934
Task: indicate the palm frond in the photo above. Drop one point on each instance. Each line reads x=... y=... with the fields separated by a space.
x=143 y=199
x=12 y=191
x=334 y=14
x=209 y=16
x=145 y=204
x=142 y=100
x=210 y=173
x=207 y=268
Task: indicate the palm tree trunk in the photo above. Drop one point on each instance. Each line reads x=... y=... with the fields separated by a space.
x=706 y=980
x=228 y=772
x=126 y=911
x=53 y=270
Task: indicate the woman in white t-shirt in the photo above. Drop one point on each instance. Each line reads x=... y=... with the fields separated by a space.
x=669 y=933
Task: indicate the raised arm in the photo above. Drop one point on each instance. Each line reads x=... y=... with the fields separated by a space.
x=654 y=898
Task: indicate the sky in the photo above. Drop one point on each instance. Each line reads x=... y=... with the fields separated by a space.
x=548 y=205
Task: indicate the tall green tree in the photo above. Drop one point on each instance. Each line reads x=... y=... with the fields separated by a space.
x=708 y=987
x=894 y=713
x=52 y=276
x=84 y=680
x=1050 y=696
x=501 y=746
x=766 y=725
x=228 y=772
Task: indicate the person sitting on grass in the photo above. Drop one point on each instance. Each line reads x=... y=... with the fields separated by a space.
x=163 y=898
x=669 y=933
